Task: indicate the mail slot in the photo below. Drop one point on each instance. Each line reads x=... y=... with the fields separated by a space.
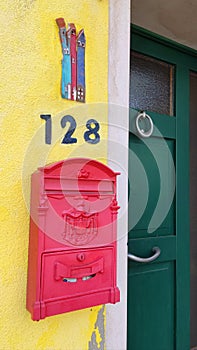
x=73 y=237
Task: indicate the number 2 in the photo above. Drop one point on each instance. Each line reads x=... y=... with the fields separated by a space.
x=67 y=138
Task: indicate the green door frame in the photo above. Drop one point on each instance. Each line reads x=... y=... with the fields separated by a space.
x=185 y=60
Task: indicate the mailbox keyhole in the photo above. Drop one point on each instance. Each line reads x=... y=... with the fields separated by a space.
x=81 y=257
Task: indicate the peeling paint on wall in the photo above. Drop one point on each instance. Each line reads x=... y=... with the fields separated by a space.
x=97 y=341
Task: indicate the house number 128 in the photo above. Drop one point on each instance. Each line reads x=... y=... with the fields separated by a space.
x=91 y=134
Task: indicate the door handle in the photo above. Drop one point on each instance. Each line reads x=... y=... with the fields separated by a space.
x=155 y=250
x=141 y=132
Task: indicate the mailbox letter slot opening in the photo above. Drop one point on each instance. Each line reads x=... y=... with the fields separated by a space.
x=76 y=272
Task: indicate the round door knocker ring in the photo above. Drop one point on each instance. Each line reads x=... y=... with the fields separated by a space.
x=141 y=132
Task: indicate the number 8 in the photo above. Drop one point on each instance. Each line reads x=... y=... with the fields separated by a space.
x=92 y=131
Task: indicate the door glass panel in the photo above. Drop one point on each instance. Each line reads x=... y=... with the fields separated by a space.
x=151 y=84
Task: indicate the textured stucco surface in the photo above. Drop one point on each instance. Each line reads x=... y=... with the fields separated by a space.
x=30 y=85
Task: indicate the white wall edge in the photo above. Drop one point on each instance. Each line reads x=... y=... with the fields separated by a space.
x=118 y=119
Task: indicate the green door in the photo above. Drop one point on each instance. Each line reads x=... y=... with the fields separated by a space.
x=158 y=290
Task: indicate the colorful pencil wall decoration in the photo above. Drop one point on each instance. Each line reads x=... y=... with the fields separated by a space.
x=73 y=61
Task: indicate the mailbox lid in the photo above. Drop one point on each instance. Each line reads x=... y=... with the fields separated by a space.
x=80 y=168
x=77 y=272
x=73 y=186
x=78 y=174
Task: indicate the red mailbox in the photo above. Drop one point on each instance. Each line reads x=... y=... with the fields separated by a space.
x=72 y=246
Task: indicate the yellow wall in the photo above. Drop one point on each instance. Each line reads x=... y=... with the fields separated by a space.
x=30 y=67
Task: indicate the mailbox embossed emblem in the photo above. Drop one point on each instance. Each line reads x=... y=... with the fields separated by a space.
x=73 y=237
x=80 y=227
